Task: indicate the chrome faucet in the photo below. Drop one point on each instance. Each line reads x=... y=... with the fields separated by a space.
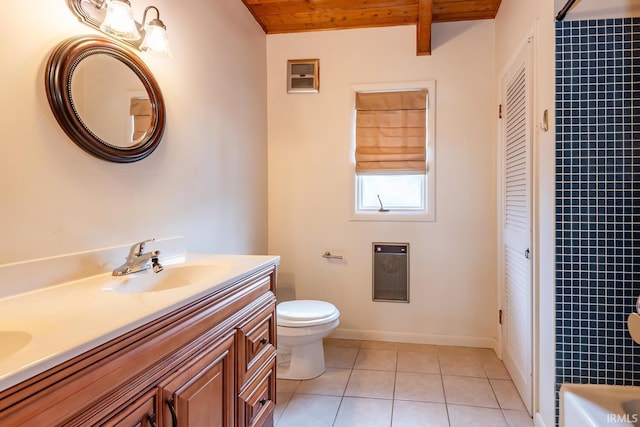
x=139 y=261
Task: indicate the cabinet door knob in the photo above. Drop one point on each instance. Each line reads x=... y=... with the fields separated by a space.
x=263 y=341
x=263 y=402
x=172 y=409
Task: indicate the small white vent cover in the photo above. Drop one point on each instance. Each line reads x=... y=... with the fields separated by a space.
x=303 y=76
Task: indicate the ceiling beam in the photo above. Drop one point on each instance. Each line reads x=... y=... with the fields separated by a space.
x=425 y=18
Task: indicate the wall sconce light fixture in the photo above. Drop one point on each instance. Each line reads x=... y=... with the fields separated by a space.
x=114 y=17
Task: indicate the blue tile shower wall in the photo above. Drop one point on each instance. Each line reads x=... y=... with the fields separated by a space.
x=597 y=200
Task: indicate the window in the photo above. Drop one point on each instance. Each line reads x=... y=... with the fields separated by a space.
x=140 y=111
x=393 y=152
x=397 y=192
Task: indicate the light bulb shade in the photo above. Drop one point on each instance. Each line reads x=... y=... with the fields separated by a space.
x=155 y=40
x=119 y=21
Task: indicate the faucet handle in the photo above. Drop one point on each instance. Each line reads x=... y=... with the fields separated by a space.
x=137 y=248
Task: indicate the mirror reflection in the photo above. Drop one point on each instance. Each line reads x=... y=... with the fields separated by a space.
x=111 y=100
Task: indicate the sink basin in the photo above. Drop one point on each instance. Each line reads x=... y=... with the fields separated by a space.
x=12 y=342
x=584 y=405
x=172 y=277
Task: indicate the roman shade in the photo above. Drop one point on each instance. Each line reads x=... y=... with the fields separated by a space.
x=391 y=132
x=141 y=111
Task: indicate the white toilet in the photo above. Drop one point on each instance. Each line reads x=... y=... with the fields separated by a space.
x=301 y=325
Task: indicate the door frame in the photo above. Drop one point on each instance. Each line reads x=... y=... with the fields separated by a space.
x=529 y=39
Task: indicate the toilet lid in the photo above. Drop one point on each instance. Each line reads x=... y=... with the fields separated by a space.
x=301 y=313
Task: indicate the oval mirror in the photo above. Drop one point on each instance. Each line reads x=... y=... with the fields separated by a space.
x=105 y=99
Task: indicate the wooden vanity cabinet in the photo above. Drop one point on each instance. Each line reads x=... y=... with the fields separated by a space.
x=208 y=363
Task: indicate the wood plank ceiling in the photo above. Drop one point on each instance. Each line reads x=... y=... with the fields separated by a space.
x=291 y=16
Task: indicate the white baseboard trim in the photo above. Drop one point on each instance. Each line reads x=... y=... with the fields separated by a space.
x=414 y=338
x=538 y=421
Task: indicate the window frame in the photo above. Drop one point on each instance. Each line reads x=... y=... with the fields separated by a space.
x=422 y=215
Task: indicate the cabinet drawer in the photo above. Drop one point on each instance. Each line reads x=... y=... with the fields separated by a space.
x=257 y=402
x=256 y=343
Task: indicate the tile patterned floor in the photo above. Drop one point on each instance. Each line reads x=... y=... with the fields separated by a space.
x=372 y=383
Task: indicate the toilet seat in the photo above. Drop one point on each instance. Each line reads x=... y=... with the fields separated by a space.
x=304 y=313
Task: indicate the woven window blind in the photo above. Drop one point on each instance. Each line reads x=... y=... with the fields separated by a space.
x=391 y=132
x=141 y=111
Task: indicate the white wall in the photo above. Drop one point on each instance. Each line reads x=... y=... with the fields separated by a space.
x=206 y=180
x=453 y=267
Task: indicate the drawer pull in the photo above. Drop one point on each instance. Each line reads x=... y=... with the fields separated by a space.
x=172 y=409
x=152 y=420
x=263 y=341
x=263 y=402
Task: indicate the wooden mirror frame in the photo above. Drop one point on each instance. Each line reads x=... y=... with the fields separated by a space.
x=59 y=71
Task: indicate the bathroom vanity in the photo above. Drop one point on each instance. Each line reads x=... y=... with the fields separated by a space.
x=193 y=345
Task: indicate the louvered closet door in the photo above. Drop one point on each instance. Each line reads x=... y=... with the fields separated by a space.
x=516 y=220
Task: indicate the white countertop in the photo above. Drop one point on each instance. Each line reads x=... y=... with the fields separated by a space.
x=54 y=324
